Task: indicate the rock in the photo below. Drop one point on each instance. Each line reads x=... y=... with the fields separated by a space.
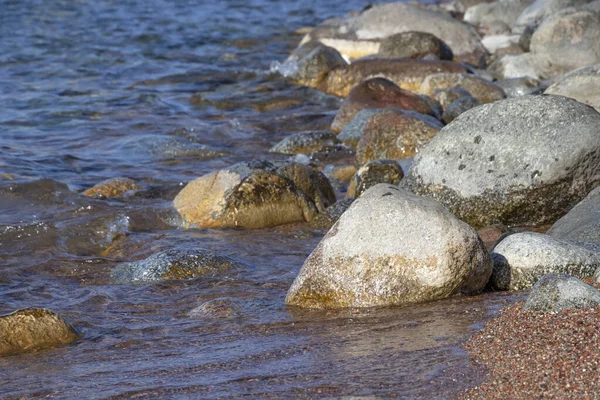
x=582 y=85
x=395 y=134
x=525 y=38
x=34 y=329
x=224 y=308
x=391 y=248
x=310 y=63
x=174 y=264
x=558 y=292
x=446 y=96
x=582 y=223
x=111 y=188
x=539 y=10
x=516 y=66
x=523 y=258
x=345 y=173
x=306 y=143
x=377 y=93
x=513 y=49
x=493 y=43
x=506 y=11
x=567 y=41
x=491 y=234
x=500 y=162
x=406 y=73
x=458 y=107
x=493 y=28
x=372 y=173
x=254 y=195
x=327 y=218
x=414 y=45
x=514 y=87
x=355 y=129
x=480 y=88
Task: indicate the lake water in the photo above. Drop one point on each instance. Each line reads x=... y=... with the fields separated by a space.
x=163 y=92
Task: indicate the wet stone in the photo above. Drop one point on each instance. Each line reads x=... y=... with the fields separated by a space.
x=372 y=173
x=414 y=45
x=558 y=292
x=309 y=64
x=329 y=217
x=222 y=308
x=34 y=329
x=306 y=143
x=480 y=88
x=458 y=107
x=111 y=188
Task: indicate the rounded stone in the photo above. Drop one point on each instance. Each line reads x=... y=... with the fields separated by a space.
x=446 y=96
x=520 y=161
x=458 y=107
x=582 y=85
x=306 y=143
x=582 y=222
x=111 y=188
x=372 y=173
x=414 y=45
x=310 y=63
x=391 y=248
x=558 y=292
x=223 y=308
x=480 y=88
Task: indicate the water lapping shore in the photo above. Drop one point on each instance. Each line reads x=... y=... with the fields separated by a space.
x=178 y=187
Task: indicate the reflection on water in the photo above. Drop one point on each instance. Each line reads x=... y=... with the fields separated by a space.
x=162 y=92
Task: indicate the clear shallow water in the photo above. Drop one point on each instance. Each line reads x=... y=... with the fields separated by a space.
x=163 y=92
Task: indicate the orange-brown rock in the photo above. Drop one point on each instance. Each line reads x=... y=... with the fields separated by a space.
x=406 y=73
x=482 y=89
x=378 y=93
x=111 y=188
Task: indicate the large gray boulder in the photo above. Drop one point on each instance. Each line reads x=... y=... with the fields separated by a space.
x=34 y=329
x=582 y=85
x=523 y=258
x=567 y=41
x=391 y=248
x=520 y=161
x=558 y=292
x=506 y=11
x=582 y=223
x=539 y=10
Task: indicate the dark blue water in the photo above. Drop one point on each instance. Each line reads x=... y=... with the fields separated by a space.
x=163 y=92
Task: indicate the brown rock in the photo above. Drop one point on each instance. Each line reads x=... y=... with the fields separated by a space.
x=395 y=134
x=111 y=188
x=33 y=329
x=345 y=173
x=414 y=45
x=372 y=173
x=377 y=93
x=480 y=88
x=491 y=234
x=447 y=96
x=408 y=74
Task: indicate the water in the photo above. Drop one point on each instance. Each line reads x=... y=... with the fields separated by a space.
x=163 y=92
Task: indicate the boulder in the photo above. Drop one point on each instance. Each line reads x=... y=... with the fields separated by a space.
x=480 y=88
x=506 y=11
x=377 y=93
x=539 y=10
x=523 y=258
x=310 y=63
x=582 y=223
x=502 y=162
x=406 y=73
x=111 y=188
x=174 y=264
x=394 y=134
x=372 y=173
x=34 y=329
x=567 y=41
x=254 y=195
x=516 y=66
x=391 y=248
x=558 y=292
x=458 y=107
x=414 y=45
x=306 y=143
x=582 y=85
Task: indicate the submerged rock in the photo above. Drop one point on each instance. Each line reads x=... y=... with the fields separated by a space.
x=372 y=173
x=377 y=93
x=414 y=45
x=255 y=194
x=480 y=88
x=111 y=188
x=558 y=292
x=523 y=258
x=582 y=85
x=395 y=134
x=582 y=223
x=174 y=264
x=34 y=329
x=306 y=143
x=224 y=308
x=391 y=248
x=521 y=161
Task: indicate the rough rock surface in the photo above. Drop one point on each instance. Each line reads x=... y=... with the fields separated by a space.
x=582 y=85
x=372 y=173
x=355 y=129
x=111 y=188
x=458 y=107
x=34 y=329
x=480 y=88
x=567 y=41
x=406 y=73
x=523 y=258
x=174 y=264
x=558 y=292
x=377 y=93
x=391 y=248
x=414 y=45
x=395 y=134
x=306 y=143
x=255 y=194
x=501 y=162
x=582 y=223
x=506 y=11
